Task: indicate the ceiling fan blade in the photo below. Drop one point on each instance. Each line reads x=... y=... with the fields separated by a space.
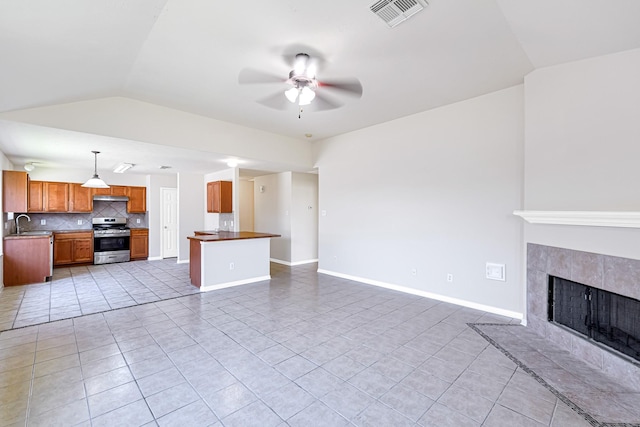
x=252 y=76
x=349 y=86
x=276 y=101
x=323 y=103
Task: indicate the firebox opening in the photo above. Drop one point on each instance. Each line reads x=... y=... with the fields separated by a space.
x=605 y=317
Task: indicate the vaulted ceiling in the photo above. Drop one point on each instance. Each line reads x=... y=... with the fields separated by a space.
x=187 y=54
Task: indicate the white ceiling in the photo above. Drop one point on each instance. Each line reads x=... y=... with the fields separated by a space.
x=186 y=55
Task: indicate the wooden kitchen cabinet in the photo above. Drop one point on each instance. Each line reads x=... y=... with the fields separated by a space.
x=26 y=260
x=118 y=190
x=139 y=243
x=219 y=197
x=137 y=199
x=80 y=198
x=113 y=190
x=73 y=248
x=47 y=196
x=56 y=196
x=36 y=196
x=14 y=191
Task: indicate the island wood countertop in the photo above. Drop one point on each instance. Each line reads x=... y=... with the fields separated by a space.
x=217 y=236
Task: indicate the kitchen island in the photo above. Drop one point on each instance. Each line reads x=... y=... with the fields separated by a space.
x=220 y=259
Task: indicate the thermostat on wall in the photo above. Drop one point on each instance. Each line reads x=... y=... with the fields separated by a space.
x=495 y=271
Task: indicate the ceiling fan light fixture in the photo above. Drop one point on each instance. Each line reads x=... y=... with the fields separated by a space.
x=292 y=94
x=95 y=181
x=306 y=96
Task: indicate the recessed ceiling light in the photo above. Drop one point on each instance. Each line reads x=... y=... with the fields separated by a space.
x=308 y=135
x=232 y=163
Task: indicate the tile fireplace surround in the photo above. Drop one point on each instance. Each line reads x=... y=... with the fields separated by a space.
x=614 y=274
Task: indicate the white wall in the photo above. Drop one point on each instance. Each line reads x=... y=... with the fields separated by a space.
x=154 y=207
x=582 y=147
x=245 y=190
x=81 y=175
x=433 y=192
x=304 y=217
x=272 y=212
x=140 y=121
x=191 y=205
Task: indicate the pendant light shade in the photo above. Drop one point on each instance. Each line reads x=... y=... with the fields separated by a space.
x=95 y=181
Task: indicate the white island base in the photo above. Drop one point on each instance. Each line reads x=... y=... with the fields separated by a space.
x=218 y=263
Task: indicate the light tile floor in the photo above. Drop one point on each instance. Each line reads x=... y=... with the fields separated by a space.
x=302 y=349
x=77 y=291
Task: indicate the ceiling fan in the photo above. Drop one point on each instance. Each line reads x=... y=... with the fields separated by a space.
x=302 y=86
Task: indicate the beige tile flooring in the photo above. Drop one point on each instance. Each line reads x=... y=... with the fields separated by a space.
x=302 y=349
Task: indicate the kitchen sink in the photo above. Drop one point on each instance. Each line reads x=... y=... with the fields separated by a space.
x=35 y=233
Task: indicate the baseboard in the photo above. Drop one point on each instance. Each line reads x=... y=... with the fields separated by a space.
x=236 y=283
x=443 y=298
x=155 y=258
x=182 y=261
x=293 y=264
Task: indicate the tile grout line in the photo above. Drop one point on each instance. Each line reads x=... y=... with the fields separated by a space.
x=590 y=419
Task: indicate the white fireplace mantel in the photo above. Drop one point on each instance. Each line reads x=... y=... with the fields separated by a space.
x=585 y=218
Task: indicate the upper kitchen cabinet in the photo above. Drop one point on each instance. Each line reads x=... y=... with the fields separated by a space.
x=219 y=197
x=80 y=198
x=56 y=196
x=47 y=196
x=36 y=196
x=14 y=191
x=119 y=190
x=137 y=199
x=113 y=190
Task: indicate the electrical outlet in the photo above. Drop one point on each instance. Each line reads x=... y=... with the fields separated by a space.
x=79 y=222
x=231 y=224
x=43 y=222
x=6 y=225
x=449 y=277
x=137 y=220
x=231 y=266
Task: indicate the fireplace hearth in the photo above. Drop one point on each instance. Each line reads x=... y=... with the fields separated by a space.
x=608 y=318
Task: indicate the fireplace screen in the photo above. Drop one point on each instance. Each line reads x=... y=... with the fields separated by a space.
x=611 y=319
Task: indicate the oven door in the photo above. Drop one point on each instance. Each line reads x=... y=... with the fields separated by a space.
x=109 y=249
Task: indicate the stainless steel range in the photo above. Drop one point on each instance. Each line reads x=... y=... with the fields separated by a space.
x=110 y=240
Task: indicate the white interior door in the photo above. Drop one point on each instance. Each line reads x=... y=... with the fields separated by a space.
x=169 y=222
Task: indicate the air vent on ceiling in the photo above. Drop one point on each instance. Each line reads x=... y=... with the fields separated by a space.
x=394 y=12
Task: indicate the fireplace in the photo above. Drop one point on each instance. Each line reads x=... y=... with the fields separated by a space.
x=597 y=272
x=608 y=318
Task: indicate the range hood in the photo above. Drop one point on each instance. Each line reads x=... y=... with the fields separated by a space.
x=104 y=198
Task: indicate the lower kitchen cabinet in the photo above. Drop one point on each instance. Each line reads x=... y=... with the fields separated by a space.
x=73 y=248
x=26 y=260
x=139 y=242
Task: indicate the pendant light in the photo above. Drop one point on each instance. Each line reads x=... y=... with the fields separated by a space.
x=95 y=181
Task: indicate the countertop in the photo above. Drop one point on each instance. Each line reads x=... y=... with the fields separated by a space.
x=45 y=233
x=217 y=236
x=27 y=236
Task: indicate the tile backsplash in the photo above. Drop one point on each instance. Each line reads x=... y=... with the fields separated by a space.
x=69 y=221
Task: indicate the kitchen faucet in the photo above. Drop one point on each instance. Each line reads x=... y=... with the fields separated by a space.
x=18 y=223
